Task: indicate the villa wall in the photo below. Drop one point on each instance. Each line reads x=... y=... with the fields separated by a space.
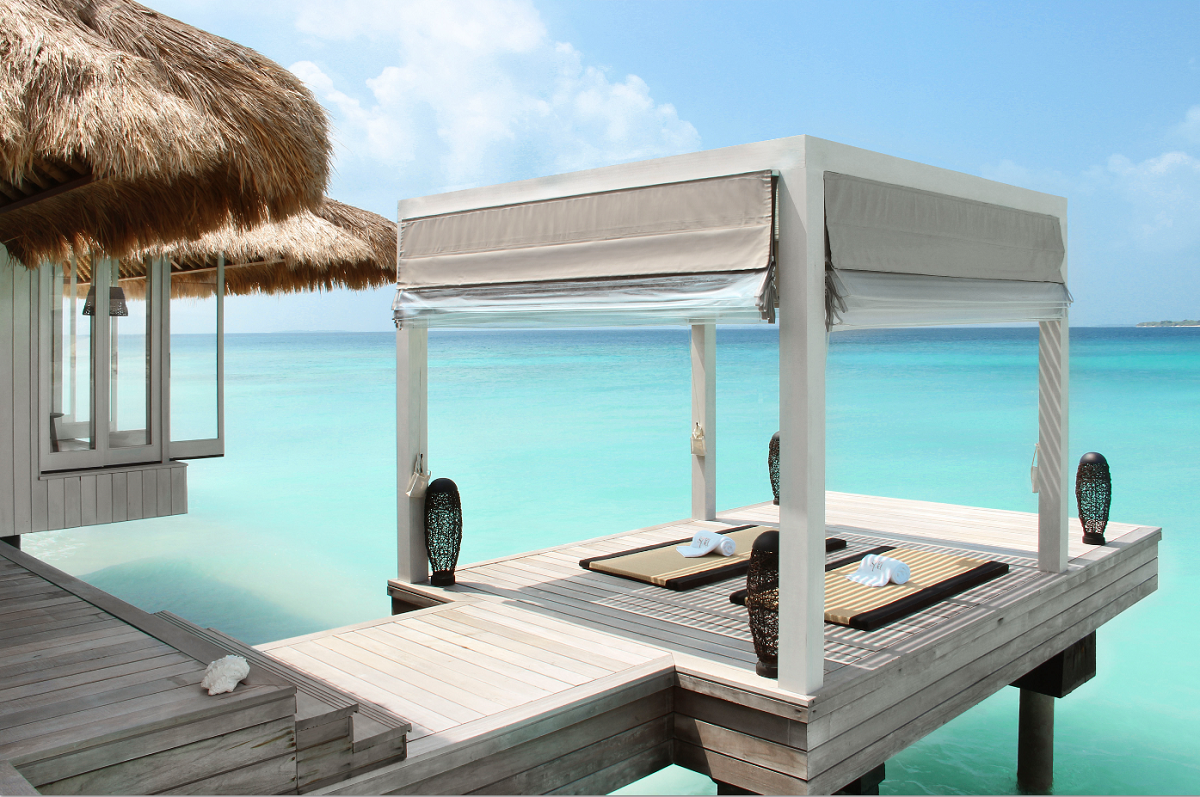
x=29 y=499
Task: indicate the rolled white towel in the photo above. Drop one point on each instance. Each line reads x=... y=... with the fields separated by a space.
x=875 y=571
x=706 y=542
x=869 y=572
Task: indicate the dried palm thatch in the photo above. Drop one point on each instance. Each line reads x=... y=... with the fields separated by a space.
x=338 y=246
x=122 y=128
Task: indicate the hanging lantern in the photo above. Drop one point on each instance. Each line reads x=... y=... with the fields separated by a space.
x=1093 y=493
x=773 y=465
x=762 y=602
x=443 y=530
x=116 y=302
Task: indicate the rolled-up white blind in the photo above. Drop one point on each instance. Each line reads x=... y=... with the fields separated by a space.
x=687 y=251
x=873 y=299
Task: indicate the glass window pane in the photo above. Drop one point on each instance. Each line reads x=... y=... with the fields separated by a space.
x=72 y=427
x=194 y=357
x=129 y=362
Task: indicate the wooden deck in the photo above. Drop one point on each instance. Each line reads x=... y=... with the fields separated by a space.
x=534 y=675
x=99 y=697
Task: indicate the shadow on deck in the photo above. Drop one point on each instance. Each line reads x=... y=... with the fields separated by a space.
x=534 y=675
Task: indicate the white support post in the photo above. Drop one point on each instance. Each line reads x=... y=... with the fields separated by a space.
x=412 y=440
x=101 y=269
x=163 y=298
x=114 y=324
x=704 y=412
x=220 y=291
x=155 y=270
x=74 y=394
x=802 y=347
x=1054 y=483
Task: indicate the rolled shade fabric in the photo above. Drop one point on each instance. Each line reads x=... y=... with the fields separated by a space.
x=739 y=297
x=866 y=299
x=893 y=229
x=687 y=252
x=899 y=257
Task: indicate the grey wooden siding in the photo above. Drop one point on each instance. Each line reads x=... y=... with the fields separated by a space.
x=30 y=500
x=111 y=495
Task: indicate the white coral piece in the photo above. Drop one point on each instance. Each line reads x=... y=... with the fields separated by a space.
x=224 y=674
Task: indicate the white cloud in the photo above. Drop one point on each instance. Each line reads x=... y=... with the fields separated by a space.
x=1134 y=228
x=1188 y=130
x=1163 y=196
x=478 y=94
x=1158 y=198
x=1050 y=182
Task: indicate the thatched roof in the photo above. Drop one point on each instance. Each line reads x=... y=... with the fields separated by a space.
x=339 y=246
x=121 y=128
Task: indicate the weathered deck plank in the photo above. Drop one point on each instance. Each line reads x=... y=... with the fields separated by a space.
x=499 y=661
x=479 y=638
x=424 y=720
x=80 y=661
x=539 y=619
x=511 y=686
x=63 y=688
x=185 y=763
x=455 y=702
x=91 y=701
x=472 y=750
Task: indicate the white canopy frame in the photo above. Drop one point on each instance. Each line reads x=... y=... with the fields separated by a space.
x=799 y=166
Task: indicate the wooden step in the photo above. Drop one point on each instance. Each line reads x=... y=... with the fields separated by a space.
x=338 y=736
x=316 y=703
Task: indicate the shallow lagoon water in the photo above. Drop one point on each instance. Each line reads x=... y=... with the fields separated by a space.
x=554 y=436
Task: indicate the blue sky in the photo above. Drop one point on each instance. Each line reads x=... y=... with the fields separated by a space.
x=1098 y=102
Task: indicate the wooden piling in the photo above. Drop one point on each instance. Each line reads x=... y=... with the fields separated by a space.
x=866 y=784
x=729 y=788
x=1035 y=743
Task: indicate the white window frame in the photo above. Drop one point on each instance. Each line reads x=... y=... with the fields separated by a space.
x=158 y=289
x=210 y=446
x=102 y=454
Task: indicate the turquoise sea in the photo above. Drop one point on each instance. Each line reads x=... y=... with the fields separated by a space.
x=554 y=436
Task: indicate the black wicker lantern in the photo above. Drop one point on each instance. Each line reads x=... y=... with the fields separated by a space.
x=116 y=302
x=762 y=602
x=773 y=465
x=443 y=530
x=1093 y=493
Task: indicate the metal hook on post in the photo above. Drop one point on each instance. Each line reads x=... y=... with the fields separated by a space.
x=1033 y=468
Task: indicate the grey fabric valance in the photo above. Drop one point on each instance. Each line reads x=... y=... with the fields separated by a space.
x=699 y=226
x=692 y=251
x=892 y=229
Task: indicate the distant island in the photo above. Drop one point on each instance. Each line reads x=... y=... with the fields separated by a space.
x=1169 y=324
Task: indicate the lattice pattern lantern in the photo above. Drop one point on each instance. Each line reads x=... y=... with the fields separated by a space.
x=443 y=530
x=1093 y=493
x=762 y=602
x=773 y=465
x=117 y=306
